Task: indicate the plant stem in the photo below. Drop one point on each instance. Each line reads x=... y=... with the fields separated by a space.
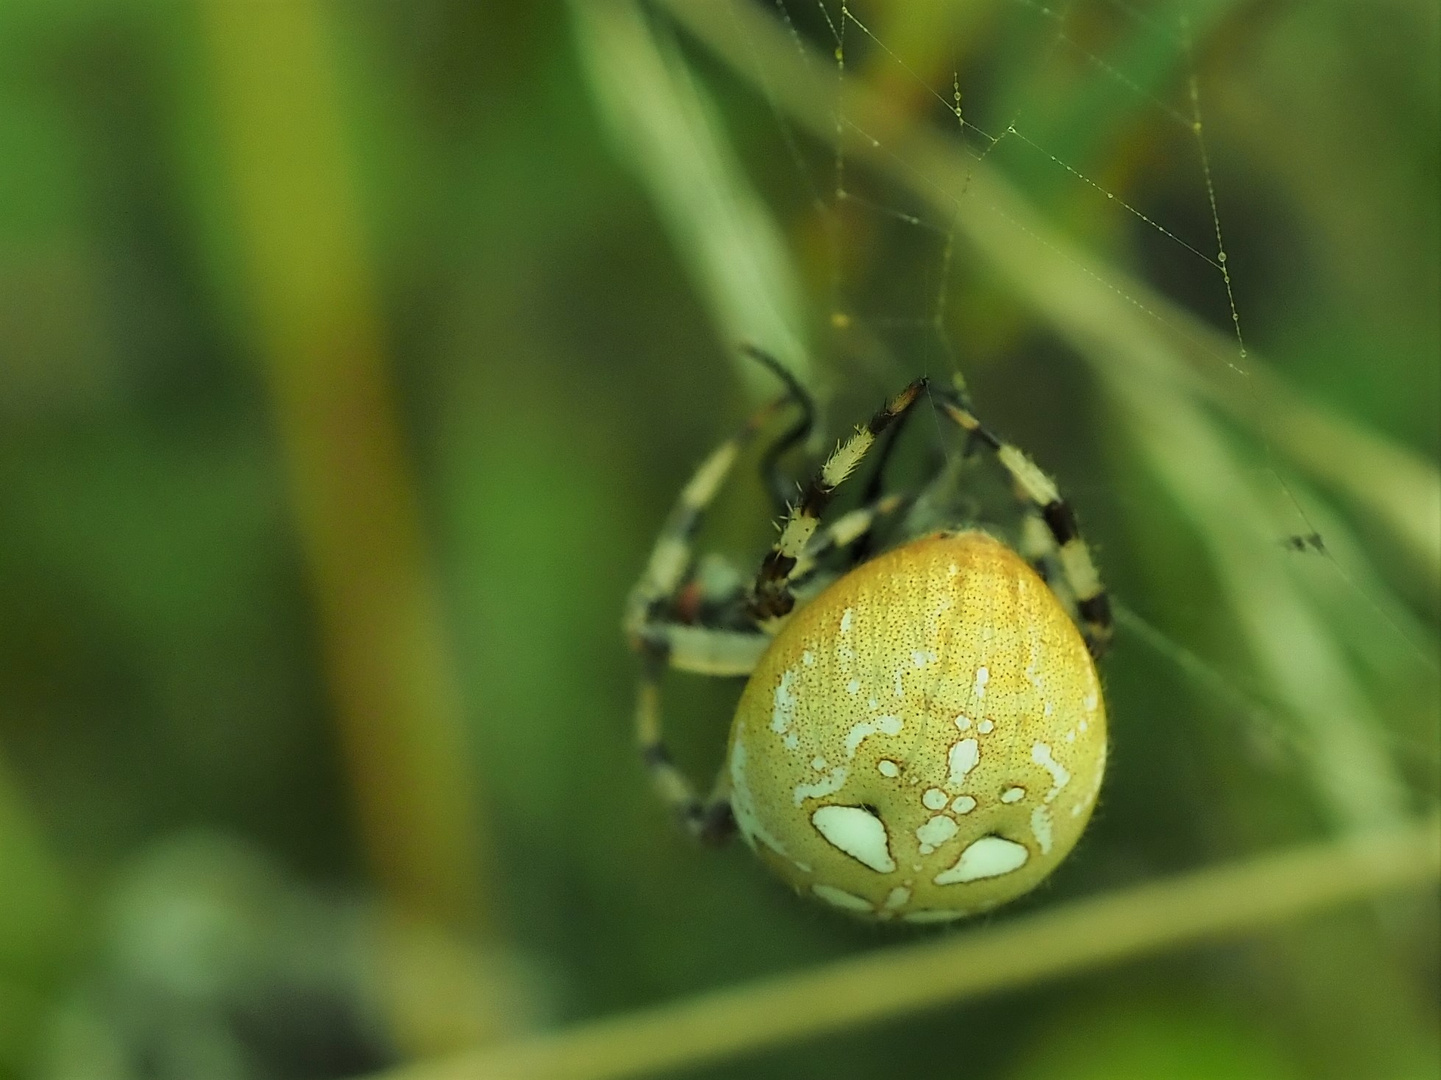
x=310 y=289
x=669 y=134
x=1207 y=904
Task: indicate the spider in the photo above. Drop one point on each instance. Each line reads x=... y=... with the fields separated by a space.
x=922 y=735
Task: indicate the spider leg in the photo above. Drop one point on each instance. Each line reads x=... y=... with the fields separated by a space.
x=663 y=642
x=1038 y=547
x=708 y=820
x=776 y=483
x=1038 y=491
x=849 y=533
x=670 y=557
x=771 y=595
x=1036 y=544
x=860 y=550
x=700 y=649
x=705 y=649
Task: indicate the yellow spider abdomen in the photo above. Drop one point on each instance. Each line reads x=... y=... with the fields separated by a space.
x=925 y=739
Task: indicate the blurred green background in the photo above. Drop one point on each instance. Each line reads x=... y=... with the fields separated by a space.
x=347 y=371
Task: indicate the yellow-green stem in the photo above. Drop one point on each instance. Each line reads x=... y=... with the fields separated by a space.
x=722 y=230
x=310 y=290
x=1207 y=904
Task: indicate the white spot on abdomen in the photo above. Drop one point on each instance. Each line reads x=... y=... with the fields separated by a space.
x=935 y=832
x=885 y=725
x=785 y=704
x=829 y=785
x=888 y=768
x=934 y=799
x=1041 y=827
x=1090 y=796
x=1014 y=794
x=897 y=897
x=983 y=676
x=857 y=833
x=847 y=617
x=853 y=687
x=933 y=916
x=964 y=804
x=840 y=898
x=743 y=807
x=963 y=758
x=1041 y=755
x=990 y=856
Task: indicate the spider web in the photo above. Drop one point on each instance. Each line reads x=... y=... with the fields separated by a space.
x=898 y=293
x=991 y=131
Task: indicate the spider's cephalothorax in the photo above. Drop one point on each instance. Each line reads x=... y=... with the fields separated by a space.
x=923 y=736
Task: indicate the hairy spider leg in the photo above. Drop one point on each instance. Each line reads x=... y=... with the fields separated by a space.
x=861 y=549
x=1038 y=547
x=848 y=533
x=710 y=643
x=705 y=650
x=771 y=595
x=708 y=820
x=1039 y=493
x=694 y=648
x=671 y=556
